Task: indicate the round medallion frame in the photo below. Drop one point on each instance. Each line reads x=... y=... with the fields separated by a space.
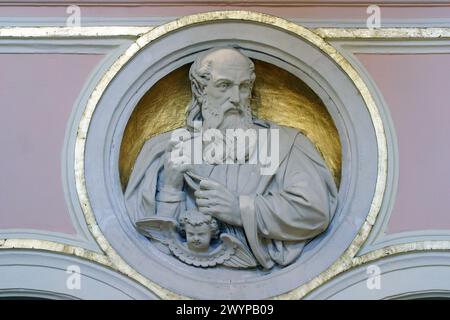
x=285 y=44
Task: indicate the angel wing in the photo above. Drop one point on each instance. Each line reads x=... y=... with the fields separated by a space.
x=241 y=256
x=158 y=228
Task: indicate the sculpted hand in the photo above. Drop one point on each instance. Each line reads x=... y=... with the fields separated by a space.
x=175 y=166
x=216 y=200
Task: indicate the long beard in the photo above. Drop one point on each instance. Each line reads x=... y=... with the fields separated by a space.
x=215 y=117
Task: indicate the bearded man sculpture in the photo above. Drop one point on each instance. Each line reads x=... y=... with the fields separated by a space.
x=264 y=220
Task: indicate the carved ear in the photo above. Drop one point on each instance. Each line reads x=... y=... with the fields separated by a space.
x=201 y=96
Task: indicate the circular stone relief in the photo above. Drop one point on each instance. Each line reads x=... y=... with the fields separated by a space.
x=298 y=84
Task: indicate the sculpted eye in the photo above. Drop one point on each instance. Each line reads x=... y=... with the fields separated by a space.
x=245 y=86
x=224 y=85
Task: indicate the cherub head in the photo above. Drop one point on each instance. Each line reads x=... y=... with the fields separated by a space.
x=200 y=229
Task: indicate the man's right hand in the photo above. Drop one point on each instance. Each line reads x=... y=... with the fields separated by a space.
x=175 y=166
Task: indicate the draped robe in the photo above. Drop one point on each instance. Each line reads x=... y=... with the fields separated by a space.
x=280 y=213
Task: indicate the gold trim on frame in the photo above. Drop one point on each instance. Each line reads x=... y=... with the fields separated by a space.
x=136 y=31
x=147 y=34
x=383 y=33
x=55 y=247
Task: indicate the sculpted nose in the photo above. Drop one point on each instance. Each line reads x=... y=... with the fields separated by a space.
x=234 y=95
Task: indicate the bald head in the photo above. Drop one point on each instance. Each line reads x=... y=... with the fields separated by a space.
x=231 y=57
x=214 y=58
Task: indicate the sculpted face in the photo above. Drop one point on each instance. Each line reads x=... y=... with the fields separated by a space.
x=228 y=92
x=198 y=237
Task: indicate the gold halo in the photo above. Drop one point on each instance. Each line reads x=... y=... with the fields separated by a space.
x=278 y=96
x=346 y=259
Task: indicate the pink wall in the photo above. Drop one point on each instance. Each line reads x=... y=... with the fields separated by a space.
x=37 y=95
x=416 y=88
x=328 y=11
